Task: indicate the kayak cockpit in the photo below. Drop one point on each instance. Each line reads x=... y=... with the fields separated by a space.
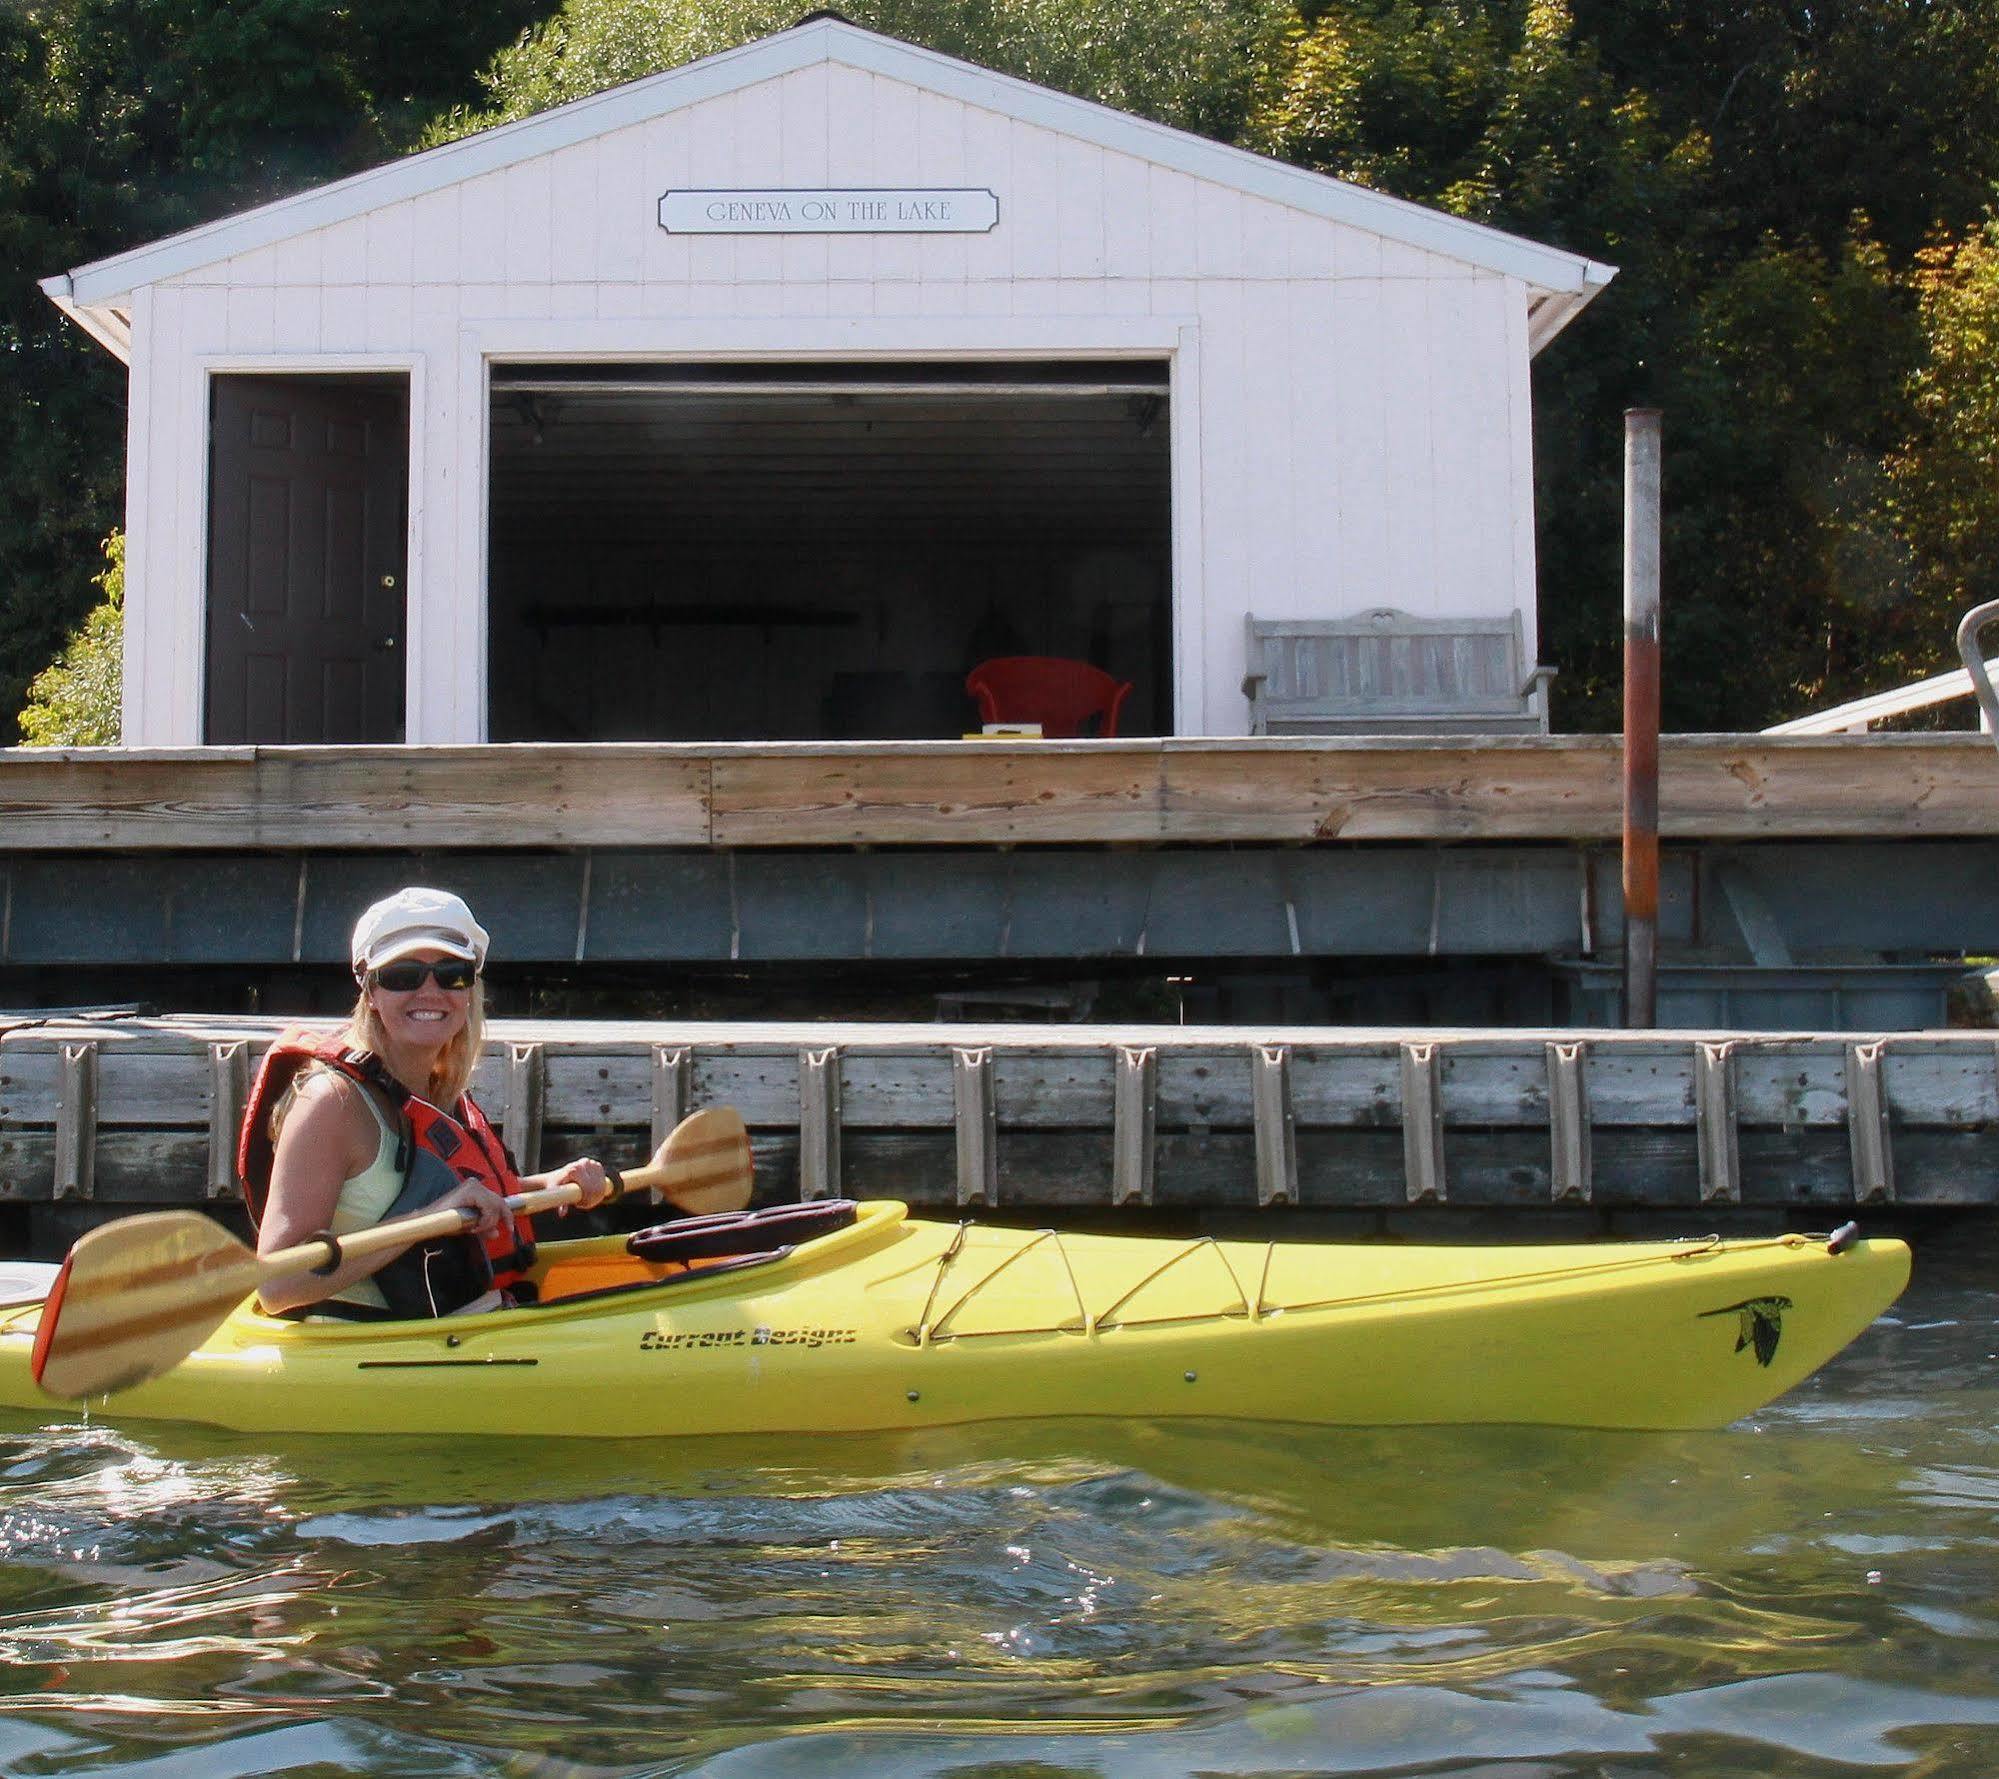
x=690 y=1248
x=576 y=1276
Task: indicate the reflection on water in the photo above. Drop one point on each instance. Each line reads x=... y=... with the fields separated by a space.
x=1814 y=1592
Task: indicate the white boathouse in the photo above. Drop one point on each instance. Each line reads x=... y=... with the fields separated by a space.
x=763 y=398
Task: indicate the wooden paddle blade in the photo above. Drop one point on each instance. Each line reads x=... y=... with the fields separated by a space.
x=703 y=1166
x=134 y=1298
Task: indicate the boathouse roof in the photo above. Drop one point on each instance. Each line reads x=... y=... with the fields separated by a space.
x=1561 y=283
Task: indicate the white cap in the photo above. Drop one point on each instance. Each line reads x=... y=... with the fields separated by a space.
x=417 y=920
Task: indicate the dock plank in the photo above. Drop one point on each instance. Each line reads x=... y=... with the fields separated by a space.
x=1281 y=790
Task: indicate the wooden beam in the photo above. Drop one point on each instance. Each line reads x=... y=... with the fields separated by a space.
x=76 y=1122
x=1867 y=1124
x=527 y=1091
x=819 y=1122
x=946 y=793
x=1568 y=1121
x=1422 y=1123
x=1275 y=1124
x=672 y=1066
x=1716 y=1121
x=1134 y=1123
x=228 y=1091
x=290 y=798
x=976 y=1124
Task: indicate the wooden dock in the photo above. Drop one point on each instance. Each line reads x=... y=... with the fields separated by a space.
x=848 y=794
x=103 y=1116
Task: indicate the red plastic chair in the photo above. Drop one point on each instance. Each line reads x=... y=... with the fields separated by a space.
x=1059 y=695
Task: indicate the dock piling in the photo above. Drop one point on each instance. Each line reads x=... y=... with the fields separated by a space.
x=76 y=1122
x=1641 y=716
x=228 y=1091
x=819 y=1123
x=1568 y=1122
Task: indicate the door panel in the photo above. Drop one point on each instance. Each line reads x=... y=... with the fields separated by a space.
x=308 y=504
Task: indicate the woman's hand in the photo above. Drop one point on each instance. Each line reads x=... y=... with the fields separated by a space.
x=588 y=1176
x=486 y=1204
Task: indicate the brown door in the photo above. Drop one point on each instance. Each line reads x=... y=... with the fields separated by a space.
x=307 y=501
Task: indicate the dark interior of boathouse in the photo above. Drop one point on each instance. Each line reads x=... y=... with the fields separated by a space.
x=808 y=551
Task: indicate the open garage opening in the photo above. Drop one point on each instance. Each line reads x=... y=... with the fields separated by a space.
x=745 y=552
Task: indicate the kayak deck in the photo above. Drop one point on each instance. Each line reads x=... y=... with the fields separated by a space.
x=893 y=1323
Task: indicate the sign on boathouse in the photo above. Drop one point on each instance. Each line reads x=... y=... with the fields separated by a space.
x=771 y=397
x=906 y=211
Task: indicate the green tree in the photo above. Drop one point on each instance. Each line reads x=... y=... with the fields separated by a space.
x=125 y=120
x=1787 y=593
x=1763 y=175
x=1190 y=63
x=1768 y=177
x=76 y=700
x=1939 y=498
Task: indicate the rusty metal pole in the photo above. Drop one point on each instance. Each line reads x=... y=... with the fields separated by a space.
x=1641 y=716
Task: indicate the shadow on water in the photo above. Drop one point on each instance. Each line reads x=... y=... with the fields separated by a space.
x=1808 y=1593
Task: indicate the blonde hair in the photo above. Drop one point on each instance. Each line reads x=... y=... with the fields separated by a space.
x=451 y=1074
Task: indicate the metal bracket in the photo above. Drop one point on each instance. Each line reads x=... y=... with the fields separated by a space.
x=1717 y=1129
x=228 y=1091
x=977 y=1124
x=1134 y=1123
x=1867 y=1125
x=819 y=1123
x=672 y=1069
x=1569 y=1167
x=527 y=1094
x=1753 y=914
x=1422 y=1124
x=76 y=1122
x=1276 y=1129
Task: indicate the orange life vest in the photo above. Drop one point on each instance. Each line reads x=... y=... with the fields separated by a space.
x=464 y=1141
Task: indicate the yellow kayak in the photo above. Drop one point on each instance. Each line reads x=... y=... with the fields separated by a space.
x=885 y=1322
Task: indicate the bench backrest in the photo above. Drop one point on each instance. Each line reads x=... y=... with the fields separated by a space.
x=1388 y=671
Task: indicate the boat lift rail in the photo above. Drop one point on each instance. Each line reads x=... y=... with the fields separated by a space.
x=1973 y=657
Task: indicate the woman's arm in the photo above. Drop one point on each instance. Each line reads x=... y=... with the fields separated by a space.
x=327 y=1138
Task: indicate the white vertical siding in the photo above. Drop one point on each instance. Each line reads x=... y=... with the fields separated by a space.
x=572 y=232
x=141 y=713
x=891 y=144
x=1271 y=466
x=435 y=253
x=1361 y=407
x=1409 y=573
x=1518 y=427
x=391 y=245
x=940 y=162
x=1355 y=377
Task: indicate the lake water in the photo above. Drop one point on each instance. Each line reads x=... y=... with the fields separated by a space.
x=1813 y=1592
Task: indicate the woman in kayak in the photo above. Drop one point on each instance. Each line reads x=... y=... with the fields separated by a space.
x=375 y=1123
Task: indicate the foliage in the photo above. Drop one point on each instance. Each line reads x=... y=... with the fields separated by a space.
x=125 y=120
x=1764 y=175
x=1797 y=197
x=75 y=701
x=1185 y=62
x=1940 y=492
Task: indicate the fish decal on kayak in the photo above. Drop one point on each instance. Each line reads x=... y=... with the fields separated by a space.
x=1762 y=1324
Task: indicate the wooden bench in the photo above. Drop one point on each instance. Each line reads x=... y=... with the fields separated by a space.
x=1388 y=672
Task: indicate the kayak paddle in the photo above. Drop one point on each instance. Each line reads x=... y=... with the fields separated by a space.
x=137 y=1296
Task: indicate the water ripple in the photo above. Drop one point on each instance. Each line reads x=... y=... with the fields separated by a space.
x=1806 y=1594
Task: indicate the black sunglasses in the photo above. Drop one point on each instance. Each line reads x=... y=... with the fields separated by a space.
x=406 y=975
